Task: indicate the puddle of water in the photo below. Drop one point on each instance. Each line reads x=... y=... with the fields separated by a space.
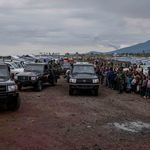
x=135 y=127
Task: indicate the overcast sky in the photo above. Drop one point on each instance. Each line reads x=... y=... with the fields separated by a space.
x=32 y=26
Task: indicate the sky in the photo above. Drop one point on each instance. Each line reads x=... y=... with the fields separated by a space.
x=33 y=26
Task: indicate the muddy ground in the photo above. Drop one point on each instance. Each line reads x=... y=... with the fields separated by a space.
x=53 y=120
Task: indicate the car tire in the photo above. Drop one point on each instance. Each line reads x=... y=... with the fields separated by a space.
x=96 y=92
x=19 y=87
x=14 y=104
x=53 y=82
x=71 y=91
x=39 y=86
x=56 y=80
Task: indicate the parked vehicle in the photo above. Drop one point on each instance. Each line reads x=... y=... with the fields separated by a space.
x=83 y=77
x=35 y=74
x=66 y=66
x=20 y=64
x=9 y=95
x=14 y=68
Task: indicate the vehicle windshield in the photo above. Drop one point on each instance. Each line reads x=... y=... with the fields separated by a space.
x=18 y=64
x=4 y=73
x=66 y=65
x=34 y=67
x=14 y=65
x=81 y=69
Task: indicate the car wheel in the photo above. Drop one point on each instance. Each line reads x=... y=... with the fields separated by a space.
x=56 y=80
x=39 y=86
x=71 y=91
x=14 y=104
x=53 y=82
x=19 y=87
x=96 y=92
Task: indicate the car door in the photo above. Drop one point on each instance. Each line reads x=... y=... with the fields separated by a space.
x=45 y=73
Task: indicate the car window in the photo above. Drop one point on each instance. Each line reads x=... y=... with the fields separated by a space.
x=15 y=66
x=4 y=73
x=66 y=65
x=34 y=67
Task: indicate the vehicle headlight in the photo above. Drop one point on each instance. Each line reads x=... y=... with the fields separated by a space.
x=12 y=88
x=33 y=78
x=72 y=80
x=95 y=80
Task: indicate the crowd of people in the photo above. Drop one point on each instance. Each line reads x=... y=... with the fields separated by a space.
x=121 y=76
x=124 y=78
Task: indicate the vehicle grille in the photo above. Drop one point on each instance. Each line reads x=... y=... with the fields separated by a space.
x=2 y=88
x=23 y=78
x=85 y=81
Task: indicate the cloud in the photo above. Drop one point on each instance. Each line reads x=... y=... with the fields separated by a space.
x=129 y=8
x=74 y=25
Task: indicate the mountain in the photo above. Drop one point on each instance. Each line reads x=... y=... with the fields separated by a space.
x=138 y=48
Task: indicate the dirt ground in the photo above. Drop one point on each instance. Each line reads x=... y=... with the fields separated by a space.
x=53 y=120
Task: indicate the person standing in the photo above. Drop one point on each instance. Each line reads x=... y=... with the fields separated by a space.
x=144 y=86
x=128 y=82
x=120 y=80
x=148 y=88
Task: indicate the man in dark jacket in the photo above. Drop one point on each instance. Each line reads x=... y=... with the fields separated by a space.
x=120 y=79
x=111 y=77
